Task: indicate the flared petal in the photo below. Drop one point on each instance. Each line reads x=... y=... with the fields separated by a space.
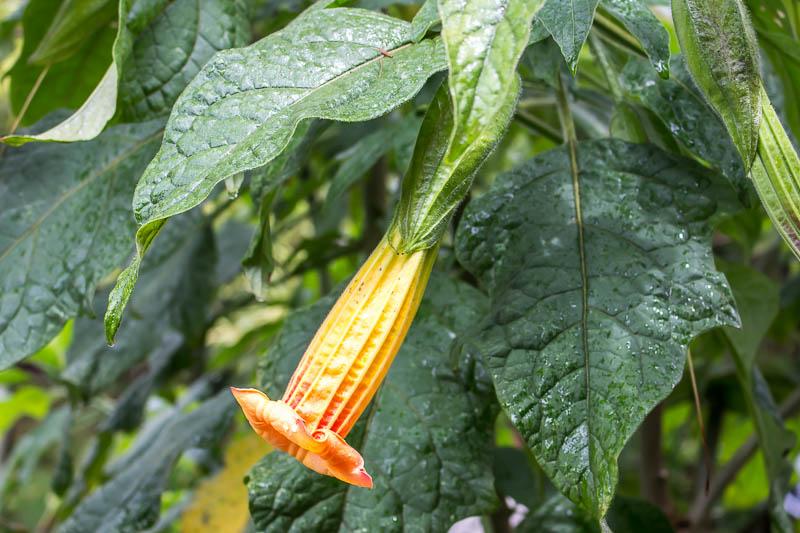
x=323 y=450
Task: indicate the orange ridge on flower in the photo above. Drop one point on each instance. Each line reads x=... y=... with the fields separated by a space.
x=344 y=365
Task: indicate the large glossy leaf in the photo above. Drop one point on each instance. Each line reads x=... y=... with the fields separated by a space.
x=757 y=300
x=720 y=47
x=598 y=281
x=426 y=436
x=241 y=110
x=484 y=41
x=686 y=116
x=64 y=211
x=177 y=283
x=569 y=22
x=160 y=46
x=130 y=500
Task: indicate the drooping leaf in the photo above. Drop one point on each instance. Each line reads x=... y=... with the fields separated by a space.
x=63 y=212
x=159 y=48
x=54 y=85
x=686 y=116
x=130 y=500
x=719 y=44
x=426 y=437
x=484 y=42
x=569 y=22
x=242 y=109
x=638 y=19
x=593 y=307
x=177 y=284
x=757 y=300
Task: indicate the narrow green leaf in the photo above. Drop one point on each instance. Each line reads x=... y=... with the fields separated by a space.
x=426 y=18
x=776 y=176
x=131 y=499
x=62 y=211
x=484 y=41
x=425 y=436
x=638 y=19
x=159 y=47
x=588 y=334
x=757 y=300
x=720 y=47
x=569 y=22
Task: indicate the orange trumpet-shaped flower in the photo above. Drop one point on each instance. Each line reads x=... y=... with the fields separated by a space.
x=344 y=365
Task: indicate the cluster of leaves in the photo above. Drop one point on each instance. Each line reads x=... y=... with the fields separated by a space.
x=257 y=149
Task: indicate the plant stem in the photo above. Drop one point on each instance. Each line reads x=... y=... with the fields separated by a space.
x=29 y=99
x=654 y=475
x=538 y=126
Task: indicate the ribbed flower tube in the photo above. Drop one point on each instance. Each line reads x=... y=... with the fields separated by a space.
x=344 y=365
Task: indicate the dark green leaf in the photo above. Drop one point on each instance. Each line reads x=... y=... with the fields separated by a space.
x=643 y=24
x=74 y=20
x=63 y=210
x=242 y=109
x=720 y=48
x=686 y=116
x=177 y=283
x=425 y=437
x=558 y=515
x=757 y=300
x=569 y=22
x=469 y=115
x=131 y=500
x=591 y=319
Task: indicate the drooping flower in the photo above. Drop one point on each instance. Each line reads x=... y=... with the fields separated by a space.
x=344 y=365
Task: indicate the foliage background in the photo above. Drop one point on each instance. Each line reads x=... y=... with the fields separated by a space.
x=143 y=435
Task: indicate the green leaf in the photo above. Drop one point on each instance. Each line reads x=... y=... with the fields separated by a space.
x=160 y=46
x=776 y=176
x=484 y=41
x=643 y=24
x=720 y=47
x=74 y=20
x=242 y=109
x=686 y=116
x=757 y=300
x=569 y=22
x=426 y=18
x=177 y=284
x=425 y=437
x=598 y=282
x=55 y=85
x=131 y=499
x=62 y=211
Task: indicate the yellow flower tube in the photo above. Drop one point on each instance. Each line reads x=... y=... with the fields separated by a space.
x=344 y=365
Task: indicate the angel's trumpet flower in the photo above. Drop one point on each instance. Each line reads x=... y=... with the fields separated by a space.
x=344 y=365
